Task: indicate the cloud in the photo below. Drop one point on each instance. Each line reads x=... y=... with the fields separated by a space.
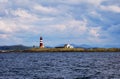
x=74 y=2
x=11 y=27
x=44 y=9
x=3 y=1
x=95 y=32
x=22 y=13
x=111 y=8
x=5 y=28
x=71 y=26
x=80 y=21
x=94 y=2
x=4 y=36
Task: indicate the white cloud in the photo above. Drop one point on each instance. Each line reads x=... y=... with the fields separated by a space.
x=47 y=19
x=6 y=28
x=112 y=8
x=44 y=9
x=95 y=32
x=66 y=27
x=20 y=18
x=12 y=26
x=3 y=1
x=4 y=36
x=12 y=29
x=70 y=27
x=77 y=26
x=59 y=27
x=94 y=35
x=94 y=13
x=94 y=2
x=22 y=13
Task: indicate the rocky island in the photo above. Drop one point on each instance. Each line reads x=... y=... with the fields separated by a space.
x=32 y=50
x=73 y=50
x=64 y=48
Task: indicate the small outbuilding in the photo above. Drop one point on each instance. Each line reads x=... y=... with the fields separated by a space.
x=68 y=46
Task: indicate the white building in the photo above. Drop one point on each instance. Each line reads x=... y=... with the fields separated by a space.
x=68 y=46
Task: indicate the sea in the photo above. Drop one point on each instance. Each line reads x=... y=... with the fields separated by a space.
x=67 y=65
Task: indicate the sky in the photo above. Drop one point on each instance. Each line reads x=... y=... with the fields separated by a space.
x=91 y=22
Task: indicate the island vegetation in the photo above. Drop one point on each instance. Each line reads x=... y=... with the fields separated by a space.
x=20 y=48
x=73 y=50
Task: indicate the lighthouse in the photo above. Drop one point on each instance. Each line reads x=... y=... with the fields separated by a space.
x=41 y=43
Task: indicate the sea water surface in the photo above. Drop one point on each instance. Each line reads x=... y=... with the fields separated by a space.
x=60 y=65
